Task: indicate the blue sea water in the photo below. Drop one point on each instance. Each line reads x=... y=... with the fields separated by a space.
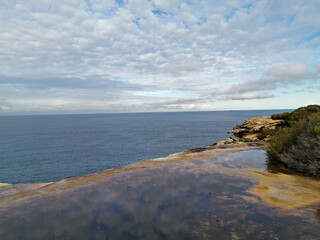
x=53 y=147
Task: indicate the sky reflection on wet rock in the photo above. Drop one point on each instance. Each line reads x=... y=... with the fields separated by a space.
x=198 y=198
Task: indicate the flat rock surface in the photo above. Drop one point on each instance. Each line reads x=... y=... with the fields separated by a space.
x=197 y=194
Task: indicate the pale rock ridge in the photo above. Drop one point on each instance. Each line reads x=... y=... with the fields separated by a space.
x=251 y=130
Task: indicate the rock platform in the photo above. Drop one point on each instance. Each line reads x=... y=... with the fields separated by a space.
x=253 y=130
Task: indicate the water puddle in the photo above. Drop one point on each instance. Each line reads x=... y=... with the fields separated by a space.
x=199 y=195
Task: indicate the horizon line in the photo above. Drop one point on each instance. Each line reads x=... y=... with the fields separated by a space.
x=143 y=112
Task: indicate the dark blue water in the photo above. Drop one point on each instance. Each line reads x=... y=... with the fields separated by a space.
x=50 y=148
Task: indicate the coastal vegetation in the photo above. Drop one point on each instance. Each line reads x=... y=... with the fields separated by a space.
x=297 y=115
x=297 y=145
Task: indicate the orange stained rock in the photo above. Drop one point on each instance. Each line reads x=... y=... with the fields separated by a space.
x=286 y=191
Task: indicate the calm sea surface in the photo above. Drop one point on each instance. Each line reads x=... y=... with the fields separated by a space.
x=50 y=148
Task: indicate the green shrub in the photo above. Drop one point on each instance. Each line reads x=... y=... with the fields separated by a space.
x=267 y=133
x=282 y=116
x=297 y=115
x=298 y=147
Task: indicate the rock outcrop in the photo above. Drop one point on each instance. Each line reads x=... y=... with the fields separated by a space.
x=253 y=130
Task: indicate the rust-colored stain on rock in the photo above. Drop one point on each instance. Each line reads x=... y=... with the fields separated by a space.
x=286 y=191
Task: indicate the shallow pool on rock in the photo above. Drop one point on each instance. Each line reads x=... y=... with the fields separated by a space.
x=207 y=195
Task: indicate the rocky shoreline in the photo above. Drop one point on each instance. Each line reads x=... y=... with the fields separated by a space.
x=253 y=130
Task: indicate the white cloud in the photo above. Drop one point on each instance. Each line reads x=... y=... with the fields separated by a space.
x=250 y=96
x=4 y=108
x=197 y=47
x=101 y=5
x=272 y=79
x=167 y=6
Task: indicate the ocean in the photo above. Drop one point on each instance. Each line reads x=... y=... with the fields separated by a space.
x=53 y=147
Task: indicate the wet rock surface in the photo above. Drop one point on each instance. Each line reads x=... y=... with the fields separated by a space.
x=210 y=193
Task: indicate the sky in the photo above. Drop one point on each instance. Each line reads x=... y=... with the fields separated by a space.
x=95 y=56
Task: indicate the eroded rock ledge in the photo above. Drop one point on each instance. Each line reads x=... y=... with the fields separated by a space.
x=253 y=130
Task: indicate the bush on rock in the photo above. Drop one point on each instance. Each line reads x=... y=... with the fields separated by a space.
x=298 y=146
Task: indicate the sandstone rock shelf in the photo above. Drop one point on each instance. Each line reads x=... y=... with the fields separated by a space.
x=251 y=130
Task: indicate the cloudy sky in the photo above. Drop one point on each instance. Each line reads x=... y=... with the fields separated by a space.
x=158 y=55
